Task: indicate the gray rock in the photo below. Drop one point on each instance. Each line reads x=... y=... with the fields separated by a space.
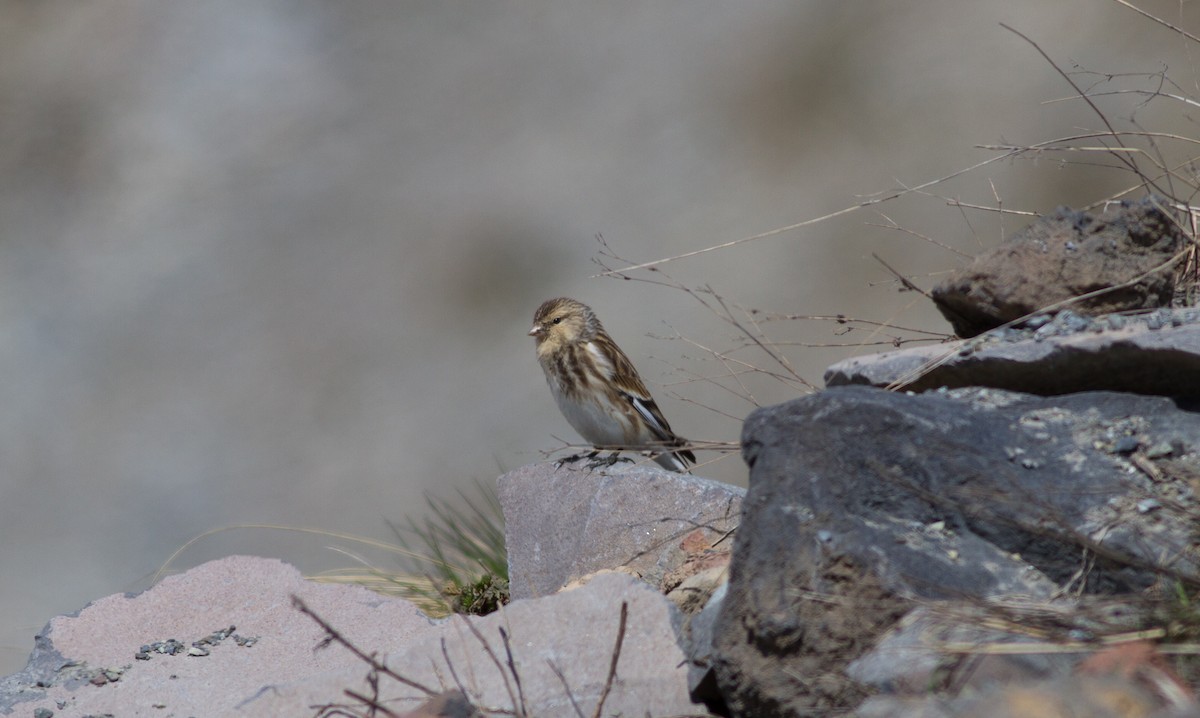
x=1066 y=254
x=862 y=500
x=1134 y=358
x=911 y=657
x=1107 y=696
x=564 y=523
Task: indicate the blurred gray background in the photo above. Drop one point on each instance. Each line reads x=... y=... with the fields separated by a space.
x=275 y=261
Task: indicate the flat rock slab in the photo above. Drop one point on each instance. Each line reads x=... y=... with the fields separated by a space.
x=86 y=663
x=565 y=523
x=1156 y=354
x=561 y=649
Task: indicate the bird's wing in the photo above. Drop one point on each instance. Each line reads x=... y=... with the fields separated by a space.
x=629 y=385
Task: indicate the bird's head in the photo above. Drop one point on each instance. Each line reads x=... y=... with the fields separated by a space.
x=560 y=322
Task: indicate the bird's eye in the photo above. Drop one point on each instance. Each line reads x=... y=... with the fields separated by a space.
x=557 y=320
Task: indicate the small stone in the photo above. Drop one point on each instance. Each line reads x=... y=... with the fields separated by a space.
x=43 y=713
x=1031 y=463
x=1072 y=322
x=1160 y=450
x=1126 y=445
x=1037 y=320
x=1145 y=506
x=198 y=651
x=1116 y=321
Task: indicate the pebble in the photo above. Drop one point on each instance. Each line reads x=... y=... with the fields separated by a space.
x=1126 y=445
x=1067 y=322
x=1160 y=450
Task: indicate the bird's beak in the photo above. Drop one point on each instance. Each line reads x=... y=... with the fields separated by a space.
x=535 y=331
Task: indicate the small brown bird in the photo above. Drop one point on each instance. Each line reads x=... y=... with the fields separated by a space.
x=597 y=388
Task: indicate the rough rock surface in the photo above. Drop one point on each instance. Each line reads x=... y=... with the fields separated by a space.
x=272 y=662
x=1066 y=254
x=1158 y=353
x=1067 y=697
x=573 y=632
x=862 y=500
x=561 y=524
x=88 y=662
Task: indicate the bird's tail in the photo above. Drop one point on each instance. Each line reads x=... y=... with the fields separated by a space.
x=676 y=460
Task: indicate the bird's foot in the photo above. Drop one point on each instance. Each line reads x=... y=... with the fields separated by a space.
x=558 y=463
x=594 y=460
x=607 y=461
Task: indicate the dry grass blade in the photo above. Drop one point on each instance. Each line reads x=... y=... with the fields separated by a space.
x=462 y=562
x=362 y=540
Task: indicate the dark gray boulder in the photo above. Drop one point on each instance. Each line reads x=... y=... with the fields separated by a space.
x=862 y=501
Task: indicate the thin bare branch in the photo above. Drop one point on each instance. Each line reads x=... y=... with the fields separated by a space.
x=985 y=208
x=903 y=279
x=616 y=656
x=806 y=223
x=891 y=224
x=332 y=634
x=566 y=686
x=1158 y=20
x=512 y=667
x=487 y=648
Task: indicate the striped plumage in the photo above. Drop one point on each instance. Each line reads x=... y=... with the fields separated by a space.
x=596 y=386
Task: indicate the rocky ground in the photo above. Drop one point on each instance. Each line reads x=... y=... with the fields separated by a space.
x=1001 y=526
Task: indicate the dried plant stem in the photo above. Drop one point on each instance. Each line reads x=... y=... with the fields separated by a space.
x=616 y=655
x=332 y=634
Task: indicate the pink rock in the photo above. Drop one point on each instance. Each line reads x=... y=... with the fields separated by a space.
x=252 y=594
